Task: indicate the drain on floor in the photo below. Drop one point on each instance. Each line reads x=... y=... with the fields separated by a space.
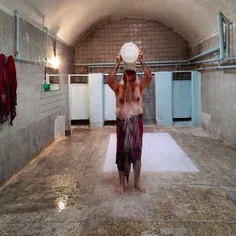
x=231 y=194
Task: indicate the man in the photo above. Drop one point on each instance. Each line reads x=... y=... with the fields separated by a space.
x=129 y=125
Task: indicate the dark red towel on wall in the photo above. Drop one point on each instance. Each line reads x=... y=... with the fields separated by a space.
x=11 y=72
x=4 y=91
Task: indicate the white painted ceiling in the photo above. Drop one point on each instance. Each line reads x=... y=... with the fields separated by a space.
x=70 y=19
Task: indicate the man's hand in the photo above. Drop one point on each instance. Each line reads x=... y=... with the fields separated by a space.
x=140 y=54
x=118 y=58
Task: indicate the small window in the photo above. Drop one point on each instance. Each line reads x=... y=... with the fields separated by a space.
x=80 y=79
x=182 y=76
x=52 y=79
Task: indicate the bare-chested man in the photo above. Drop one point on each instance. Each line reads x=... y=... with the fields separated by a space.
x=129 y=126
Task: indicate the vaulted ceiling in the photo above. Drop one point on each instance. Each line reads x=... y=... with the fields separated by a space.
x=70 y=19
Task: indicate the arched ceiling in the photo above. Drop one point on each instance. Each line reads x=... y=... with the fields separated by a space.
x=70 y=19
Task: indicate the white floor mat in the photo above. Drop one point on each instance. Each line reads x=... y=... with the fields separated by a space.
x=160 y=153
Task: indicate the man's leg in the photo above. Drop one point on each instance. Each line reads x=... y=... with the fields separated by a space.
x=137 y=171
x=119 y=160
x=121 y=188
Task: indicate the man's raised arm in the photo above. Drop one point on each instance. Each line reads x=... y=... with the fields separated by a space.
x=110 y=78
x=148 y=75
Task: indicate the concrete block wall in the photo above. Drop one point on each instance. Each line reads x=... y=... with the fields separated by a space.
x=218 y=95
x=157 y=41
x=219 y=104
x=33 y=128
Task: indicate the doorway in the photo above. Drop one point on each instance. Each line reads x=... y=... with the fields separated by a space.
x=181 y=97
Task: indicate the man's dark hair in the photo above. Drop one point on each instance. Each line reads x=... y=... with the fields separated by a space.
x=130 y=72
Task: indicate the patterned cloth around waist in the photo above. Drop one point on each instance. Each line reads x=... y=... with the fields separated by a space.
x=129 y=142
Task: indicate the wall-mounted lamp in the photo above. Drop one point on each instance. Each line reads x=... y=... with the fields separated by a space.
x=54 y=61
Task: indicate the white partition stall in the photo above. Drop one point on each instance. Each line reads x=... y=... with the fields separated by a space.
x=110 y=104
x=79 y=102
x=110 y=99
x=96 y=99
x=79 y=98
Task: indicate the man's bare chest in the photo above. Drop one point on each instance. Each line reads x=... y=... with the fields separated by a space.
x=129 y=95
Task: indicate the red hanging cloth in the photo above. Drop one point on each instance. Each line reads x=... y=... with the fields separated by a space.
x=11 y=72
x=4 y=91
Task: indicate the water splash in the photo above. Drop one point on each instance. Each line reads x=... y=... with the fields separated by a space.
x=131 y=110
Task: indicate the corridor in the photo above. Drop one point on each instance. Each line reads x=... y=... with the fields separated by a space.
x=64 y=191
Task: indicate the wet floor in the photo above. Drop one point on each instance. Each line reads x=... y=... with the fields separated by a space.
x=65 y=192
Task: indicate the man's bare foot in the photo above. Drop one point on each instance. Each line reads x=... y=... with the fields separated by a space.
x=140 y=188
x=120 y=189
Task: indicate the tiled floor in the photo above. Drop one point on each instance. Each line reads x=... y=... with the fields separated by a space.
x=64 y=191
